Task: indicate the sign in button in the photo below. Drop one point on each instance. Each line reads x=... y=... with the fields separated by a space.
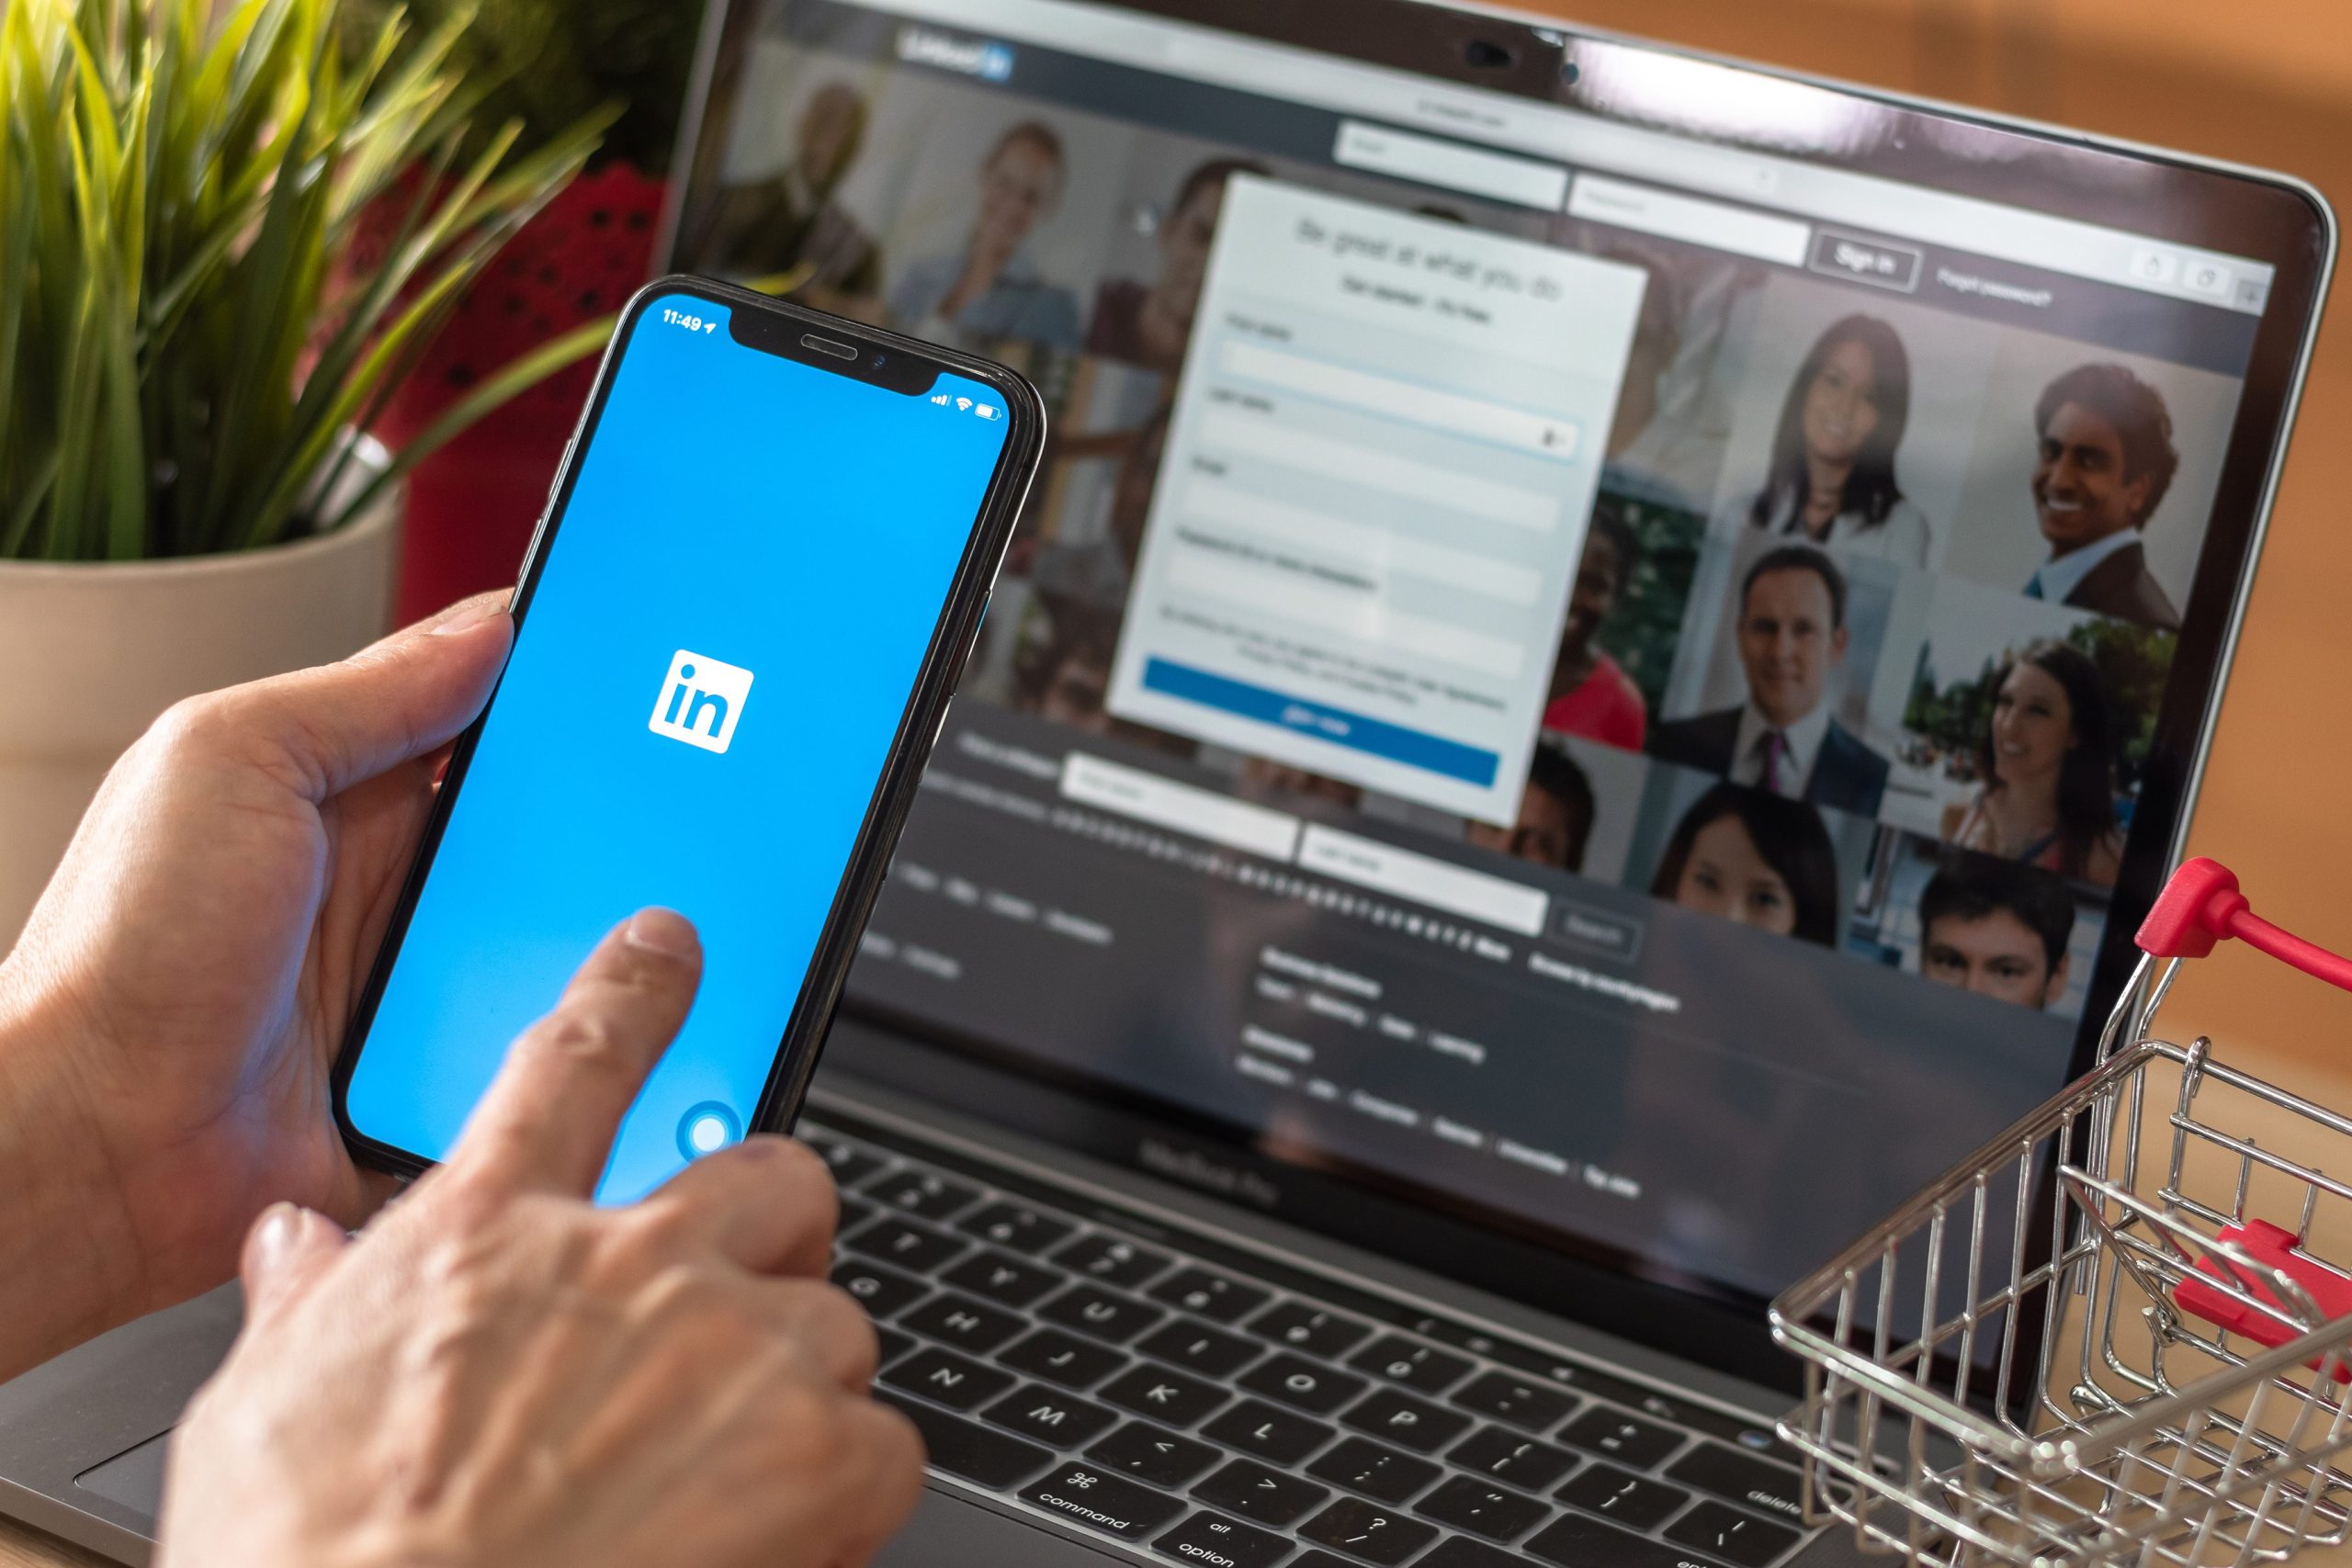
x=1867 y=261
x=1373 y=737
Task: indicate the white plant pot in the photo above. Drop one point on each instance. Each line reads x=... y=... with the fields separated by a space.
x=93 y=653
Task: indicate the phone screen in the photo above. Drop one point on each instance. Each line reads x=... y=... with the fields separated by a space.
x=728 y=624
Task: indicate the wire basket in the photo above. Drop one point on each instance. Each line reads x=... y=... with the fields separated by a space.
x=2189 y=1353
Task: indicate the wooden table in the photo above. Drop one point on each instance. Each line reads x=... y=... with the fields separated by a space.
x=20 y=1548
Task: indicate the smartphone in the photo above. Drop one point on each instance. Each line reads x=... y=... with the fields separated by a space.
x=763 y=563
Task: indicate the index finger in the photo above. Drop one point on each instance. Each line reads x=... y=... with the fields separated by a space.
x=548 y=1118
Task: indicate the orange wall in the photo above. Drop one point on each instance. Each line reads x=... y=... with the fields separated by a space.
x=2263 y=82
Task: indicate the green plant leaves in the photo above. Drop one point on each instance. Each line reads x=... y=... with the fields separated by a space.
x=178 y=365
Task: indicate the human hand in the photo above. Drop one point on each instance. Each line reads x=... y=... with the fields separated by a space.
x=498 y=1372
x=169 y=1021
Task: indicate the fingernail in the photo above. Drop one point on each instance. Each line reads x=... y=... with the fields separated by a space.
x=274 y=1235
x=468 y=614
x=664 y=931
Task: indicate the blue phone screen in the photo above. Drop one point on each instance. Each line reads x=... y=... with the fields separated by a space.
x=725 y=632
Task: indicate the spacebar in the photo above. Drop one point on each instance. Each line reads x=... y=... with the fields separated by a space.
x=970 y=1450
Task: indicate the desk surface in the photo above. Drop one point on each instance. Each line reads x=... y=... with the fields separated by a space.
x=20 y=1548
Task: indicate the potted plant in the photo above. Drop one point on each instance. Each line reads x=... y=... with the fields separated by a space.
x=545 y=64
x=184 y=500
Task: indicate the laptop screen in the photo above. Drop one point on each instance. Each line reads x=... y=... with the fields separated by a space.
x=1601 y=680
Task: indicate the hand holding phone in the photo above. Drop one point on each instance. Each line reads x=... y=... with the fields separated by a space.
x=764 y=565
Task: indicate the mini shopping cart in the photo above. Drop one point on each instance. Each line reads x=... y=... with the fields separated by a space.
x=2154 y=1369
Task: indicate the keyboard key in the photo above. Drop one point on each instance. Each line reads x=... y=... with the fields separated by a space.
x=1087 y=1496
x=963 y=1323
x=1309 y=1328
x=924 y=1193
x=1505 y=1456
x=1050 y=1417
x=1257 y=1427
x=1466 y=1503
x=1059 y=1357
x=879 y=1291
x=1209 y=1295
x=1615 y=1434
x=1577 y=1541
x=1375 y=1470
x=1000 y=1277
x=1154 y=1453
x=852 y=1213
x=1164 y=1395
x=891 y=1345
x=849 y=1164
x=1222 y=1543
x=1302 y=1383
x=1314 y=1559
x=1197 y=1347
x=1249 y=1489
x=1099 y=1313
x=948 y=1377
x=1523 y=1402
x=1113 y=1259
x=904 y=1243
x=1633 y=1500
x=1367 y=1530
x=1733 y=1536
x=1728 y=1473
x=1461 y=1552
x=970 y=1450
x=1400 y=1419
x=1016 y=1225
x=1423 y=1367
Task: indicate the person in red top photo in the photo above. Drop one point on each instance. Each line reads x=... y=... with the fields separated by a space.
x=1591 y=696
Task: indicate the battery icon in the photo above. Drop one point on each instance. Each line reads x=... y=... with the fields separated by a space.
x=987 y=411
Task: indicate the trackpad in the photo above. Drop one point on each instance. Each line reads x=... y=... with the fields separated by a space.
x=134 y=1478
x=948 y=1532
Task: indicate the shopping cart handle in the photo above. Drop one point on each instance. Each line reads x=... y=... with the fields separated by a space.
x=2273 y=1246
x=2201 y=905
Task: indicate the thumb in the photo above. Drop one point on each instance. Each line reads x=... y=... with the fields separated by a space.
x=288 y=1250
x=340 y=724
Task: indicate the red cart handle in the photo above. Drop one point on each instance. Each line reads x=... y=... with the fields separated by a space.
x=2201 y=905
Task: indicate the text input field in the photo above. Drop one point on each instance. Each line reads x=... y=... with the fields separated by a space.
x=1690 y=220
x=1458 y=890
x=1523 y=182
x=1402 y=401
x=1164 y=803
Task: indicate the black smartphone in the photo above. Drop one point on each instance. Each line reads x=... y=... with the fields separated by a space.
x=764 y=564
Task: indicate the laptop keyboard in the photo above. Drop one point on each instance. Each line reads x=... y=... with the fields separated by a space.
x=1145 y=1389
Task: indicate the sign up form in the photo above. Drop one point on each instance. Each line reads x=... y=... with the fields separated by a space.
x=1384 y=452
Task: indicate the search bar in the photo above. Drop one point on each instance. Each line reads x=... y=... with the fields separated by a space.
x=1523 y=182
x=1405 y=401
x=1690 y=220
x=1164 y=803
x=1441 y=885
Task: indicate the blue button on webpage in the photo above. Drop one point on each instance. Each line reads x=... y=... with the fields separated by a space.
x=1376 y=738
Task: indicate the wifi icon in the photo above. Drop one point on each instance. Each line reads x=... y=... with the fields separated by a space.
x=963 y=403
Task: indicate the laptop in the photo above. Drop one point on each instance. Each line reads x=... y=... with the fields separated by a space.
x=1610 y=650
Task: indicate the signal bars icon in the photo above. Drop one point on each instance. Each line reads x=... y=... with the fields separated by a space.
x=941 y=399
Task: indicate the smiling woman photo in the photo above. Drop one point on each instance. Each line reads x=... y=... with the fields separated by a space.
x=2047 y=762
x=1832 y=477
x=1755 y=859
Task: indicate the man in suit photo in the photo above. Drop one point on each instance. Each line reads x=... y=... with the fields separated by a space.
x=1783 y=739
x=2105 y=460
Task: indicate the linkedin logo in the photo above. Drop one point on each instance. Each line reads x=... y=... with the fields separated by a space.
x=701 y=701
